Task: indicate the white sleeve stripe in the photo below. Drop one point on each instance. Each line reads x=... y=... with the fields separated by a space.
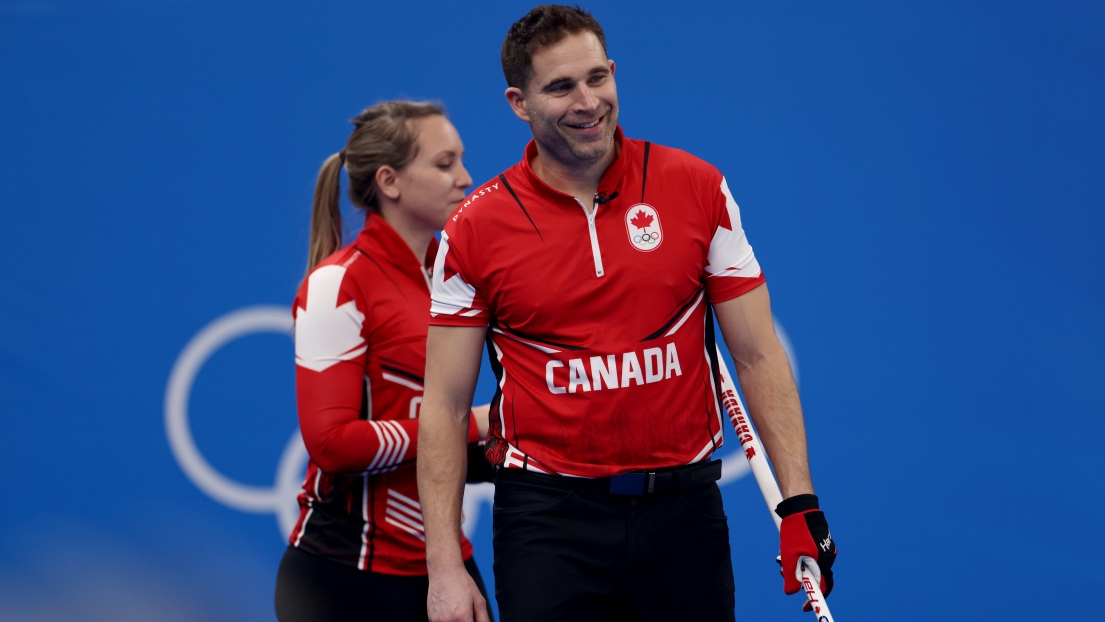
x=393 y=443
x=402 y=451
x=380 y=450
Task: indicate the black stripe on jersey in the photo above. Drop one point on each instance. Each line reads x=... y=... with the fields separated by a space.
x=513 y=419
x=502 y=177
x=678 y=314
x=332 y=529
x=400 y=372
x=644 y=173
x=366 y=398
x=510 y=332
x=497 y=402
x=497 y=369
x=715 y=373
x=382 y=271
x=371 y=522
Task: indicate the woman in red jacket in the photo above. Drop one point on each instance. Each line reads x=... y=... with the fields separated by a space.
x=361 y=317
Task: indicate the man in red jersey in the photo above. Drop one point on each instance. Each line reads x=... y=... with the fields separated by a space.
x=593 y=268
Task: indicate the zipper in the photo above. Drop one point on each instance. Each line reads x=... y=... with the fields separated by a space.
x=595 y=251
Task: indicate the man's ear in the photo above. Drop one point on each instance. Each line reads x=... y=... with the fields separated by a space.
x=611 y=65
x=387 y=182
x=517 y=100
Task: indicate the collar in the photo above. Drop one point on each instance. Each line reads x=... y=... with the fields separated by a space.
x=377 y=235
x=609 y=183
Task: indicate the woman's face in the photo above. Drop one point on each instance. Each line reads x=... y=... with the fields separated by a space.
x=435 y=181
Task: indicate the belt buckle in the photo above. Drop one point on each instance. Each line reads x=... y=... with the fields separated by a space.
x=634 y=483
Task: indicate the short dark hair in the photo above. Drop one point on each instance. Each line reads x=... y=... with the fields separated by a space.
x=543 y=26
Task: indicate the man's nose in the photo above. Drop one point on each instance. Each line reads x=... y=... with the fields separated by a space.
x=585 y=98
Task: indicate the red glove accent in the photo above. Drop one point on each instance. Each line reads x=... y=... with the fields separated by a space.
x=805 y=532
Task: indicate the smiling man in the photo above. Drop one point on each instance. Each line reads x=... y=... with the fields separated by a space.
x=594 y=268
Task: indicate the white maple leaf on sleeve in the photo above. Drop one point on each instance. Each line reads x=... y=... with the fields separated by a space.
x=326 y=333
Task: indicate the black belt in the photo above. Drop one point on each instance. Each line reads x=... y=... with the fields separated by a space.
x=634 y=483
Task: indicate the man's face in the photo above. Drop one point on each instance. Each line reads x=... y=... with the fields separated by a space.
x=571 y=101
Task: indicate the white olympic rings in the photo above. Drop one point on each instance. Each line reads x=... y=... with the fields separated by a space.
x=280 y=499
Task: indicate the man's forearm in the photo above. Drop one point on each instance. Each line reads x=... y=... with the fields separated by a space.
x=452 y=366
x=776 y=412
x=442 y=463
x=768 y=385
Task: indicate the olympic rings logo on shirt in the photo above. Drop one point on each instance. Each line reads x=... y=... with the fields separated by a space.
x=642 y=224
x=280 y=499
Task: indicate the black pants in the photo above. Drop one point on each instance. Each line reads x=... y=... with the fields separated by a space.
x=312 y=588
x=567 y=554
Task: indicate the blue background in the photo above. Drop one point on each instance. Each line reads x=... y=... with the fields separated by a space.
x=922 y=184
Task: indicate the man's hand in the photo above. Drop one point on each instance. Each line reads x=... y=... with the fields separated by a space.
x=454 y=597
x=805 y=534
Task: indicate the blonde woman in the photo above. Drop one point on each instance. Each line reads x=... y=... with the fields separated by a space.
x=361 y=316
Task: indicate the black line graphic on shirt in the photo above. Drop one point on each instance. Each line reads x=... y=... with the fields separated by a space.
x=681 y=312
x=507 y=331
x=519 y=201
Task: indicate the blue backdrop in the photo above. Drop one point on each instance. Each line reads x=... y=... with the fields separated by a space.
x=922 y=184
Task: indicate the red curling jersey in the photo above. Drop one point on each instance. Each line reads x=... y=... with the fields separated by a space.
x=360 y=352
x=600 y=331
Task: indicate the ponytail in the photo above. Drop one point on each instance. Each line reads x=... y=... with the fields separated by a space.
x=326 y=224
x=383 y=136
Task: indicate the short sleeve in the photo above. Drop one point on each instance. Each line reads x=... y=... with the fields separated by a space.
x=731 y=269
x=454 y=299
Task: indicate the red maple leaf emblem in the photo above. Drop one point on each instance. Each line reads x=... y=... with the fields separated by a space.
x=641 y=220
